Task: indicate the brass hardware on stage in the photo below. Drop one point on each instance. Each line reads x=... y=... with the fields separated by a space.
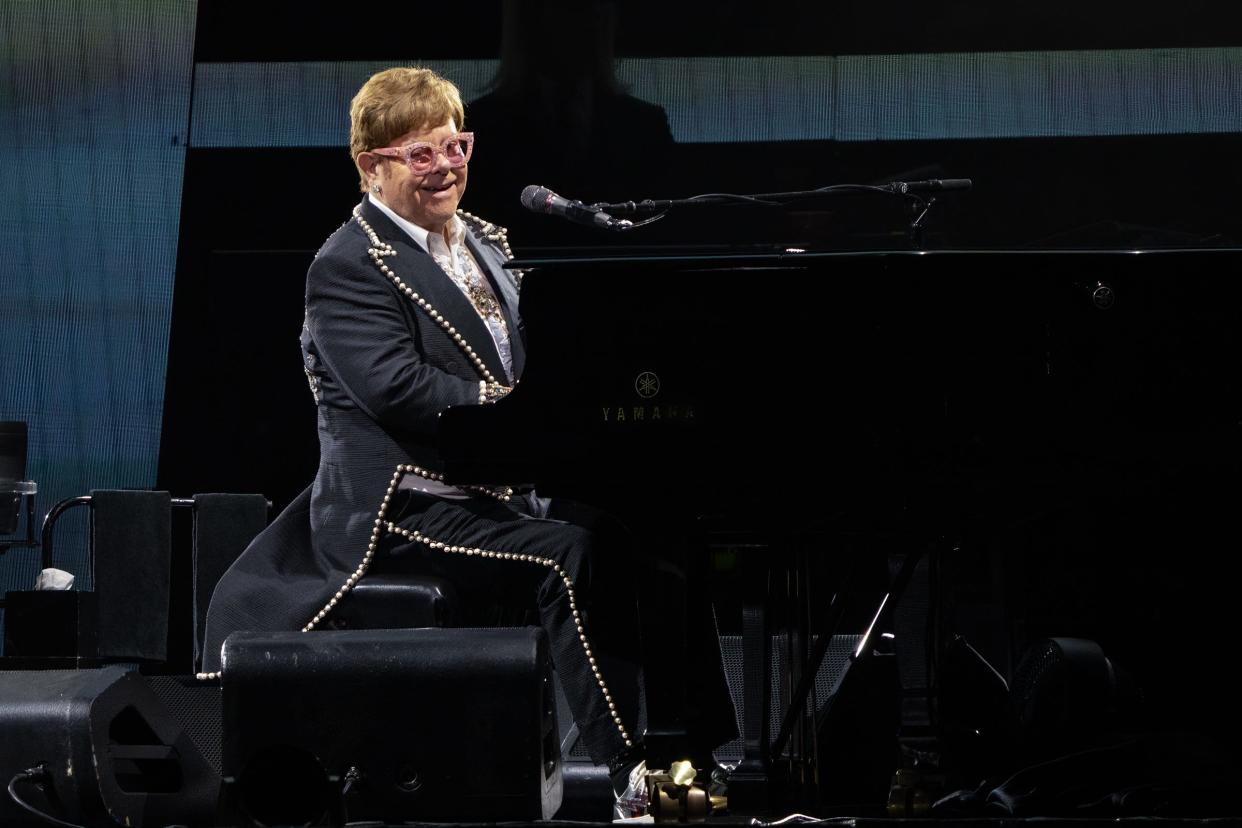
x=674 y=796
x=912 y=793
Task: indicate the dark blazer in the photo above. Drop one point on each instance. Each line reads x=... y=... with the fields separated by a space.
x=382 y=368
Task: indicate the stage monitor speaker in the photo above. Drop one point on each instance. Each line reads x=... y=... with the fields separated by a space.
x=97 y=748
x=431 y=725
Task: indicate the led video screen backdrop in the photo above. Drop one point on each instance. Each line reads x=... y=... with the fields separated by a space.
x=93 y=129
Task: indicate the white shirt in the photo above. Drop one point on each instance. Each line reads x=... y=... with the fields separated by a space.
x=454 y=259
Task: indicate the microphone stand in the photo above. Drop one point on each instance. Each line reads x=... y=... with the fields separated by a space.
x=916 y=228
x=911 y=188
x=907 y=189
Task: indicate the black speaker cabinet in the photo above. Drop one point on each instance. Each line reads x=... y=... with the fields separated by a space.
x=439 y=725
x=107 y=750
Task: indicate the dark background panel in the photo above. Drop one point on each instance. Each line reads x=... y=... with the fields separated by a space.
x=892 y=26
x=239 y=416
x=244 y=32
x=231 y=31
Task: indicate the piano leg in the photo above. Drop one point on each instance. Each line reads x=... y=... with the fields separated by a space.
x=863 y=650
x=782 y=773
x=761 y=573
x=749 y=783
x=689 y=712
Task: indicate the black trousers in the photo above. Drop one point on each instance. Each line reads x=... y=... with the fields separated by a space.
x=573 y=568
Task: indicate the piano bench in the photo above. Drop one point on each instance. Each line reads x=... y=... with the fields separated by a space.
x=382 y=601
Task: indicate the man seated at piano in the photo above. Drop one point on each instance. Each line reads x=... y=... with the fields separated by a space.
x=408 y=312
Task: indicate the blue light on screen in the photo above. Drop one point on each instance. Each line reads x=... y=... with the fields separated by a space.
x=94 y=113
x=800 y=98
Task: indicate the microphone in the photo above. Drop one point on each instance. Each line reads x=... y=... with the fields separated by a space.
x=932 y=185
x=542 y=200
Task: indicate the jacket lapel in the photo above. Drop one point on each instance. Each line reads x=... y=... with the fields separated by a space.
x=418 y=270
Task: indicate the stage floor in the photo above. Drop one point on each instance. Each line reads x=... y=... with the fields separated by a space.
x=854 y=822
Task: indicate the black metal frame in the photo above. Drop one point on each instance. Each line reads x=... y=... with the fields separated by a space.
x=29 y=542
x=54 y=514
x=754 y=783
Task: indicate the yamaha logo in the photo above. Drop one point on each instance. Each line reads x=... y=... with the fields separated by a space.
x=647 y=385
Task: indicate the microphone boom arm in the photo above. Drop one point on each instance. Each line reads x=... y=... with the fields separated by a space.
x=903 y=188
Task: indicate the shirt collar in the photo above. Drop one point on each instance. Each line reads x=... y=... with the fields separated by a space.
x=418 y=234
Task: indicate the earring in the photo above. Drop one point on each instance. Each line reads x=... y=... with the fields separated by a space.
x=375 y=188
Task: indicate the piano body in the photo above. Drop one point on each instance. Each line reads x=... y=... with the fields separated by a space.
x=921 y=392
x=701 y=375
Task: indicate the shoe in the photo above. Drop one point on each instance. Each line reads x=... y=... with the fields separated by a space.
x=664 y=796
x=632 y=799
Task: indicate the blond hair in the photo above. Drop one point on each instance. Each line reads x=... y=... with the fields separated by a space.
x=396 y=101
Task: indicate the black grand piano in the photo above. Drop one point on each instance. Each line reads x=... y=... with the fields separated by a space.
x=927 y=396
